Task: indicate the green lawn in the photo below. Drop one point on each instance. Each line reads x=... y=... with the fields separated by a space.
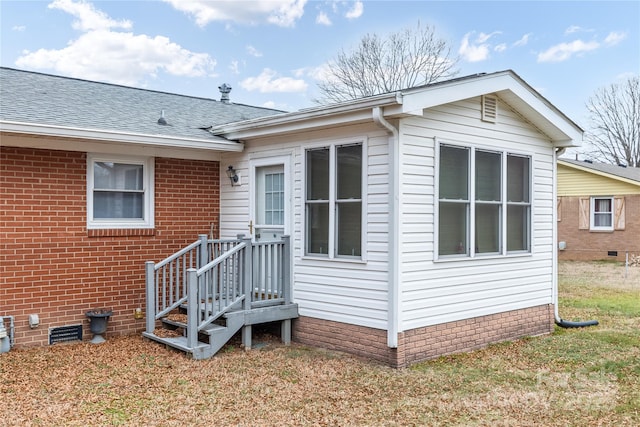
x=574 y=377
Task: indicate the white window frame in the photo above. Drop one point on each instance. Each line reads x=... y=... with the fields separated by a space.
x=469 y=245
x=592 y=213
x=147 y=164
x=333 y=202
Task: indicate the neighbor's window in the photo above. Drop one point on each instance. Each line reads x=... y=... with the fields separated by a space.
x=334 y=201
x=119 y=192
x=472 y=205
x=601 y=213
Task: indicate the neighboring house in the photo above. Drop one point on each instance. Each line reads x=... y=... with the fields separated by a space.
x=421 y=222
x=598 y=207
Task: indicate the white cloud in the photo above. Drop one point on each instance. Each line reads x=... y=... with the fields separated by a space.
x=253 y=51
x=483 y=38
x=572 y=29
x=614 y=38
x=323 y=19
x=122 y=58
x=319 y=73
x=356 y=11
x=269 y=82
x=283 y=13
x=476 y=50
x=563 y=51
x=18 y=28
x=117 y=57
x=501 y=47
x=577 y=29
x=523 y=40
x=88 y=17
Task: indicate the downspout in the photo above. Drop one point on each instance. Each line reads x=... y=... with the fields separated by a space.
x=394 y=228
x=556 y=315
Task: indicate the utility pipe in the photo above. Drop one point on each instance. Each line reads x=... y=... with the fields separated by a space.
x=558 y=320
x=11 y=329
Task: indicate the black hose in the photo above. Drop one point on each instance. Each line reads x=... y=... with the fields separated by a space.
x=568 y=324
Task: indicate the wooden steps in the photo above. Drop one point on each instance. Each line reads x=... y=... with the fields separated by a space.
x=214 y=336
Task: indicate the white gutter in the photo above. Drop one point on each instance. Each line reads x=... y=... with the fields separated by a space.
x=393 y=315
x=213 y=144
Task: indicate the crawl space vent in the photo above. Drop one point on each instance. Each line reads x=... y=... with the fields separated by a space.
x=489 y=108
x=65 y=333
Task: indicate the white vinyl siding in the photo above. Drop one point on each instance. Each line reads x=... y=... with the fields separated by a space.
x=344 y=289
x=434 y=292
x=356 y=291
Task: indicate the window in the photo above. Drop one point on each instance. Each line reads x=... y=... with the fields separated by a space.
x=274 y=198
x=333 y=201
x=119 y=192
x=484 y=202
x=601 y=213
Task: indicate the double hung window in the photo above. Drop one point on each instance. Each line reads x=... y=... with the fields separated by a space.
x=119 y=192
x=333 y=201
x=601 y=213
x=484 y=202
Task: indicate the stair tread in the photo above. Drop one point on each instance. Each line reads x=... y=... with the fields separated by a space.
x=212 y=328
x=176 y=342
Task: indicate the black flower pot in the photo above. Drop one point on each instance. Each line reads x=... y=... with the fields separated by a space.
x=98 y=323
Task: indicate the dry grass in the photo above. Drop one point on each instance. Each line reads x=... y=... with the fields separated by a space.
x=583 y=377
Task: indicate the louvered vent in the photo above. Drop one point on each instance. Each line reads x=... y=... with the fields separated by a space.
x=489 y=108
x=65 y=333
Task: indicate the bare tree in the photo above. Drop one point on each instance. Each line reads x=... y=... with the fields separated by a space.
x=408 y=58
x=615 y=123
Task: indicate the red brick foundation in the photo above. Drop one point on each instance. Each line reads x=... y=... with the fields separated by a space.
x=425 y=343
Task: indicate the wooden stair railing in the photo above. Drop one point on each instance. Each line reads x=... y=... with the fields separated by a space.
x=236 y=282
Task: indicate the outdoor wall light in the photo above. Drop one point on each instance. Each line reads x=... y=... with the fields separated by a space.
x=233 y=176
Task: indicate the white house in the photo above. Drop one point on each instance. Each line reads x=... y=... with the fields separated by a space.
x=422 y=221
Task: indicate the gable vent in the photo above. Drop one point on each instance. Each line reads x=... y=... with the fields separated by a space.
x=489 y=108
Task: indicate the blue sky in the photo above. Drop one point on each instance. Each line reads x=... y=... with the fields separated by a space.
x=273 y=53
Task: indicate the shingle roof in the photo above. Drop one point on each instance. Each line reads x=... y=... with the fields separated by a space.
x=621 y=171
x=45 y=99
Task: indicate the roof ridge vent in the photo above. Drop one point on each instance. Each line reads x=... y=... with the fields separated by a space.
x=224 y=91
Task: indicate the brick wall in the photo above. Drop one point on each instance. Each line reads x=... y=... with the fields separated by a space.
x=586 y=245
x=425 y=343
x=51 y=265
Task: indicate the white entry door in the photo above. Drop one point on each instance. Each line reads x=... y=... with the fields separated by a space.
x=270 y=202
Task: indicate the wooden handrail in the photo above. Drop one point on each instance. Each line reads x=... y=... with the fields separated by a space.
x=251 y=274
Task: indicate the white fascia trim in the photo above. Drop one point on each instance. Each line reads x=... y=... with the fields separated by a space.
x=358 y=110
x=122 y=137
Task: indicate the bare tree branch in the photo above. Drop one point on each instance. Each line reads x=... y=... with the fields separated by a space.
x=408 y=58
x=615 y=123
